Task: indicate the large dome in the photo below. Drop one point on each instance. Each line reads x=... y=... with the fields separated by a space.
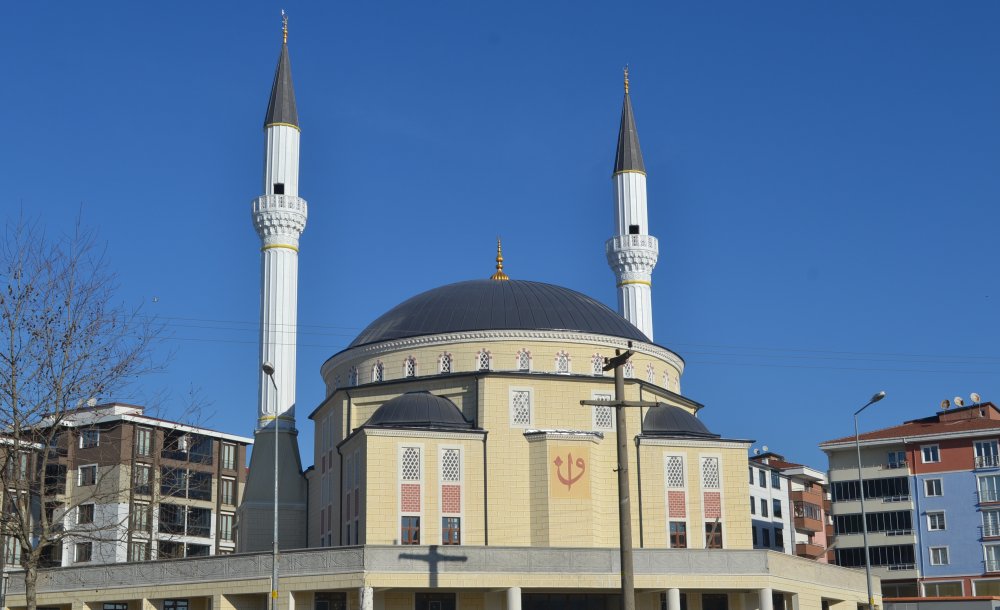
x=497 y=305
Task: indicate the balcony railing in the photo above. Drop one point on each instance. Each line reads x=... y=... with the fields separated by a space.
x=991 y=530
x=895 y=465
x=899 y=567
x=989 y=495
x=987 y=461
x=992 y=565
x=905 y=498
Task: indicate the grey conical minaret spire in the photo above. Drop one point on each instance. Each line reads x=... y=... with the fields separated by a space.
x=628 y=158
x=281 y=109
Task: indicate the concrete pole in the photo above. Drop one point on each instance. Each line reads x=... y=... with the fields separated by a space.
x=514 y=598
x=366 y=597
x=766 y=599
x=673 y=599
x=624 y=503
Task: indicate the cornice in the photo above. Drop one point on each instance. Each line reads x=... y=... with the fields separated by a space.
x=684 y=442
x=534 y=436
x=412 y=433
x=374 y=350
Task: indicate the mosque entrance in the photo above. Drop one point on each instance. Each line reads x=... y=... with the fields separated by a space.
x=570 y=601
x=434 y=601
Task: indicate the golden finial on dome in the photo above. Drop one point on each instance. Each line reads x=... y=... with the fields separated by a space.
x=284 y=26
x=500 y=276
x=626 y=78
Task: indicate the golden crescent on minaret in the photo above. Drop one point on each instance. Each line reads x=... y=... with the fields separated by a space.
x=500 y=276
x=284 y=27
x=626 y=78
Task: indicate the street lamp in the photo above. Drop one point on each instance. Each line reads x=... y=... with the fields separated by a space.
x=268 y=369
x=861 y=494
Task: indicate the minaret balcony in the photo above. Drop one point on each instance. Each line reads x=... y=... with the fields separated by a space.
x=632 y=242
x=279 y=215
x=267 y=203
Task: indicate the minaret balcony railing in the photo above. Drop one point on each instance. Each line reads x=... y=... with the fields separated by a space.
x=277 y=203
x=632 y=242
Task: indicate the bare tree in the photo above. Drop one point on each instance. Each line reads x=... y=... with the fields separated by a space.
x=64 y=341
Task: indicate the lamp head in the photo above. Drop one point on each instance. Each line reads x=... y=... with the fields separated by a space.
x=878 y=396
x=268 y=369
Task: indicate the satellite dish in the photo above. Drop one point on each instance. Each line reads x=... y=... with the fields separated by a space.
x=764 y=447
x=959 y=402
x=756 y=451
x=976 y=398
x=945 y=404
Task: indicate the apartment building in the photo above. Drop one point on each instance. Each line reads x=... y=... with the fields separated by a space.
x=807 y=497
x=932 y=494
x=126 y=486
x=770 y=517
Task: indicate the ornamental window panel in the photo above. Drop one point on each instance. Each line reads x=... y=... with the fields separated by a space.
x=675 y=471
x=710 y=472
x=445 y=363
x=562 y=363
x=597 y=364
x=603 y=416
x=409 y=464
x=520 y=408
x=483 y=360
x=410 y=367
x=650 y=373
x=523 y=360
x=377 y=372
x=629 y=371
x=451 y=465
x=352 y=377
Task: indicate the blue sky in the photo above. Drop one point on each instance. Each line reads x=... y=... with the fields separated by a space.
x=822 y=179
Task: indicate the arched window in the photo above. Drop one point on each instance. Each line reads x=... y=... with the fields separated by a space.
x=629 y=371
x=524 y=360
x=666 y=379
x=562 y=363
x=483 y=360
x=410 y=367
x=352 y=377
x=377 y=375
x=597 y=363
x=444 y=363
x=650 y=373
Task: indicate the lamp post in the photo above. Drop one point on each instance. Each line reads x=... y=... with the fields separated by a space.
x=861 y=494
x=268 y=369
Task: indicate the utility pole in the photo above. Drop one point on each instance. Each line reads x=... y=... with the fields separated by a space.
x=624 y=503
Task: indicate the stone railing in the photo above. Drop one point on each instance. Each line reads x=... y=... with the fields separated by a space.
x=620 y=242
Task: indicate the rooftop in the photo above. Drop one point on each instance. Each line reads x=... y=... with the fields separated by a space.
x=982 y=417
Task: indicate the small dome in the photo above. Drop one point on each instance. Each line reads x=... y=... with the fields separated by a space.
x=419 y=410
x=668 y=420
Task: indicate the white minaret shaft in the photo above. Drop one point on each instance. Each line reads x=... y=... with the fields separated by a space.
x=632 y=252
x=279 y=216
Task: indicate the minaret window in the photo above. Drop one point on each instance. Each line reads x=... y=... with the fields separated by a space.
x=632 y=229
x=410 y=367
x=377 y=375
x=445 y=363
x=598 y=365
x=279 y=189
x=562 y=363
x=524 y=360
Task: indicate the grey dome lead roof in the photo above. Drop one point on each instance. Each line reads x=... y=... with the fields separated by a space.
x=492 y=305
x=281 y=107
x=668 y=420
x=628 y=157
x=419 y=410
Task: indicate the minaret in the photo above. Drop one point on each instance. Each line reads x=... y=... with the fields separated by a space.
x=632 y=252
x=279 y=216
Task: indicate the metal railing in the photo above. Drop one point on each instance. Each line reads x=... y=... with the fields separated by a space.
x=987 y=461
x=989 y=495
x=992 y=565
x=991 y=530
x=898 y=567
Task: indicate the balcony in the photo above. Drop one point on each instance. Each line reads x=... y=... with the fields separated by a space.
x=991 y=530
x=987 y=461
x=808 y=524
x=992 y=565
x=810 y=550
x=987 y=496
x=896 y=465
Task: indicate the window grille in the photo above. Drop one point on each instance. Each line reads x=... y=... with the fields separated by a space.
x=410 y=464
x=710 y=472
x=675 y=471
x=483 y=360
x=562 y=363
x=352 y=377
x=520 y=408
x=629 y=371
x=598 y=365
x=377 y=372
x=451 y=465
x=410 y=367
x=650 y=373
x=445 y=363
x=523 y=360
x=603 y=416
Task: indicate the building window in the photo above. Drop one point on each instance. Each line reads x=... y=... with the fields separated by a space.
x=779 y=538
x=352 y=377
x=228 y=491
x=986 y=454
x=943 y=589
x=753 y=505
x=91 y=437
x=930 y=454
x=753 y=532
x=483 y=360
x=140 y=517
x=170 y=550
x=85 y=514
x=141 y=479
x=675 y=472
x=897 y=459
x=562 y=363
x=991 y=524
x=410 y=464
x=143 y=442
x=228 y=456
x=932 y=488
x=935 y=521
x=678 y=535
x=765 y=536
x=87 y=475
x=410 y=367
x=377 y=372
x=762 y=478
x=11 y=551
x=520 y=408
x=451 y=530
x=989 y=488
x=775 y=480
x=115 y=606
x=171 y=519
x=629 y=371
x=138 y=551
x=939 y=556
x=713 y=535
x=776 y=504
x=445 y=363
x=603 y=417
x=650 y=373
x=175 y=604
x=597 y=364
x=710 y=472
x=84 y=552
x=524 y=360
x=763 y=507
x=451 y=465
x=226 y=527
x=410 y=530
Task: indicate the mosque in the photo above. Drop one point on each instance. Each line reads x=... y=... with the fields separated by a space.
x=455 y=466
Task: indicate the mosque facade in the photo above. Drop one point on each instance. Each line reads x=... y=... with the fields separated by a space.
x=455 y=466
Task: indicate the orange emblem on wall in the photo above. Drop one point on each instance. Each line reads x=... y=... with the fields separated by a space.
x=569 y=476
